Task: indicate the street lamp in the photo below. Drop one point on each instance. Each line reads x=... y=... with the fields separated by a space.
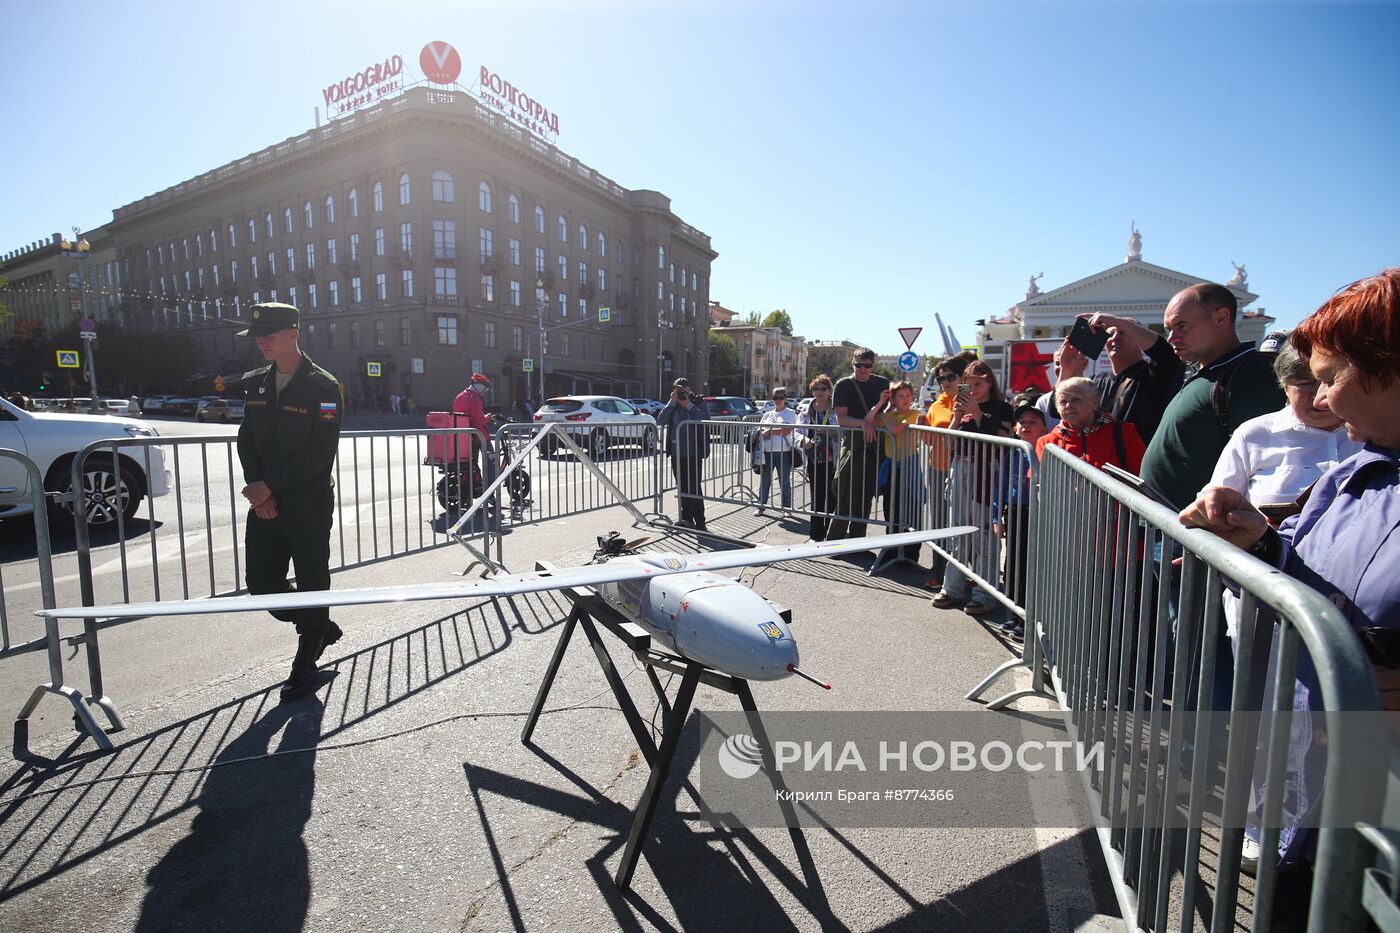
x=80 y=252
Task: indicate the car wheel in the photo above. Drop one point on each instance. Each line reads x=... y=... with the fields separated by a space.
x=598 y=444
x=649 y=441
x=105 y=494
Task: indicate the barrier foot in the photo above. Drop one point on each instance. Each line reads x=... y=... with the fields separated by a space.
x=82 y=716
x=991 y=678
x=1005 y=701
x=110 y=708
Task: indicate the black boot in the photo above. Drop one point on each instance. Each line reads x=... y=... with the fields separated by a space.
x=302 y=680
x=333 y=634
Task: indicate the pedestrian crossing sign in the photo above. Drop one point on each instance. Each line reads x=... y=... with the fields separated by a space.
x=527 y=365
x=374 y=369
x=67 y=359
x=604 y=315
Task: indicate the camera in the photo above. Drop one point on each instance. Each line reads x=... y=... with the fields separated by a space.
x=680 y=394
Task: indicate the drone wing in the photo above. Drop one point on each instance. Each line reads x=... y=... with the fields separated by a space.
x=614 y=571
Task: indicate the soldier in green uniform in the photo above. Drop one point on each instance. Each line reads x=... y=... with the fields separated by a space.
x=287 y=445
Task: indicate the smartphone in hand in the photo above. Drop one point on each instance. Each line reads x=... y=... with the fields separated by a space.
x=1086 y=340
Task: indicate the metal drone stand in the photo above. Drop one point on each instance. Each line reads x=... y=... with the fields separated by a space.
x=590 y=608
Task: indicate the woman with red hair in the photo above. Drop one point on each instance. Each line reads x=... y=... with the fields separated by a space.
x=1346 y=542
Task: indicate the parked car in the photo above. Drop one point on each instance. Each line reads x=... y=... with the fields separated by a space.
x=596 y=422
x=222 y=410
x=647 y=405
x=52 y=441
x=730 y=407
x=156 y=403
x=181 y=406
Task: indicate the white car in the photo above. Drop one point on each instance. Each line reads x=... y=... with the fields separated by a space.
x=52 y=440
x=220 y=409
x=646 y=406
x=596 y=422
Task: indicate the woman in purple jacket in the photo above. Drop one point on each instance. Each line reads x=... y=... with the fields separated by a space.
x=1346 y=542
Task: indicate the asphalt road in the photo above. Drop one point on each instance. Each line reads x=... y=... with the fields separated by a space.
x=401 y=798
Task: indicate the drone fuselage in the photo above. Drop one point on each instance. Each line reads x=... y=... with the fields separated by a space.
x=710 y=619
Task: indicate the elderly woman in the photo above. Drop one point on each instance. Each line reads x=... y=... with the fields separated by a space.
x=1090 y=433
x=1346 y=541
x=1272 y=459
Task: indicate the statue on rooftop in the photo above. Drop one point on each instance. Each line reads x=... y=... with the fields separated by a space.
x=1240 y=279
x=1032 y=289
x=1135 y=244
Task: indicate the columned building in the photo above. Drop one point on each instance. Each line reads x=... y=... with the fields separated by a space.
x=433 y=237
x=1134 y=288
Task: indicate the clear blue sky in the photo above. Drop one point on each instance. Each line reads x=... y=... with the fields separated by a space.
x=861 y=165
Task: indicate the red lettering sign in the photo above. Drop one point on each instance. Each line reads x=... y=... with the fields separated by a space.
x=515 y=103
x=342 y=92
x=440 y=63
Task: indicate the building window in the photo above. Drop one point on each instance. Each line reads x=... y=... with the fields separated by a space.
x=539 y=259
x=330 y=209
x=252 y=231
x=672 y=302
x=682 y=306
x=184 y=248
x=354 y=198
x=515 y=294
x=406 y=283
x=271 y=263
x=233 y=271
x=483 y=197
x=379 y=241
x=587 y=346
x=539 y=299
x=602 y=244
x=291 y=259
x=661 y=257
x=660 y=291
x=582 y=273
x=583 y=238
x=539 y=220
x=354 y=333
x=356 y=296
x=253 y=266
x=381 y=286
x=514 y=208
x=286 y=220
x=488 y=287
x=354 y=247
x=563 y=229
x=447 y=330
x=405 y=197
x=310 y=255
x=489 y=335
x=330 y=252
x=563 y=305
x=673 y=272
x=307 y=217
x=563 y=270
x=517 y=337
x=602 y=279
x=292 y=296
x=488 y=243
x=445 y=282
x=444 y=239
x=582 y=308
x=311 y=295
x=514 y=251
x=405 y=331
x=334 y=286
x=214 y=269
x=330 y=336
x=267 y=224
x=568 y=351
x=442 y=187
x=692 y=280
x=406 y=237
x=379 y=333
x=378 y=196
x=213 y=240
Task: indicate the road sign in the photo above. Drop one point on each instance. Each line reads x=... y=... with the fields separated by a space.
x=908 y=361
x=527 y=365
x=87 y=325
x=67 y=359
x=909 y=335
x=604 y=315
x=219 y=384
x=373 y=369
x=88 y=335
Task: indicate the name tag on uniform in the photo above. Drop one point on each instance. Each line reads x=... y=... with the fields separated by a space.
x=256 y=403
x=295 y=409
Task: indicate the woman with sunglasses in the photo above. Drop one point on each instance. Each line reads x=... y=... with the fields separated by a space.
x=822 y=447
x=940 y=415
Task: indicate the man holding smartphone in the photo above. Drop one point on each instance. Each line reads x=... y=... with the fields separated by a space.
x=857 y=400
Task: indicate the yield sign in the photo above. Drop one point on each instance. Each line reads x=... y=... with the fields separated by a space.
x=909 y=335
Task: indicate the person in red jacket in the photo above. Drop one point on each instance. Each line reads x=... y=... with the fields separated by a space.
x=469 y=403
x=1087 y=432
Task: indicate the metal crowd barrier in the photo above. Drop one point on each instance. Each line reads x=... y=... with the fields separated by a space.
x=1175 y=793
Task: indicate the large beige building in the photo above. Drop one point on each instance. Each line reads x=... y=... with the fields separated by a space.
x=426 y=234
x=769 y=357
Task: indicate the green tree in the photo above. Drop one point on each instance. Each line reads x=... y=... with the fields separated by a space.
x=779 y=319
x=726 y=374
x=753 y=319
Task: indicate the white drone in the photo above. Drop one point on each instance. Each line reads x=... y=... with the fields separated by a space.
x=678 y=598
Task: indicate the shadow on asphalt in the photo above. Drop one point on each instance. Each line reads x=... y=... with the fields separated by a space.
x=19 y=540
x=59 y=814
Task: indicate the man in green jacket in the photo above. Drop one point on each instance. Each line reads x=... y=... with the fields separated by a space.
x=287 y=445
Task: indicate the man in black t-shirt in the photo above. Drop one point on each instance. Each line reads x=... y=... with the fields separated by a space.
x=855 y=399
